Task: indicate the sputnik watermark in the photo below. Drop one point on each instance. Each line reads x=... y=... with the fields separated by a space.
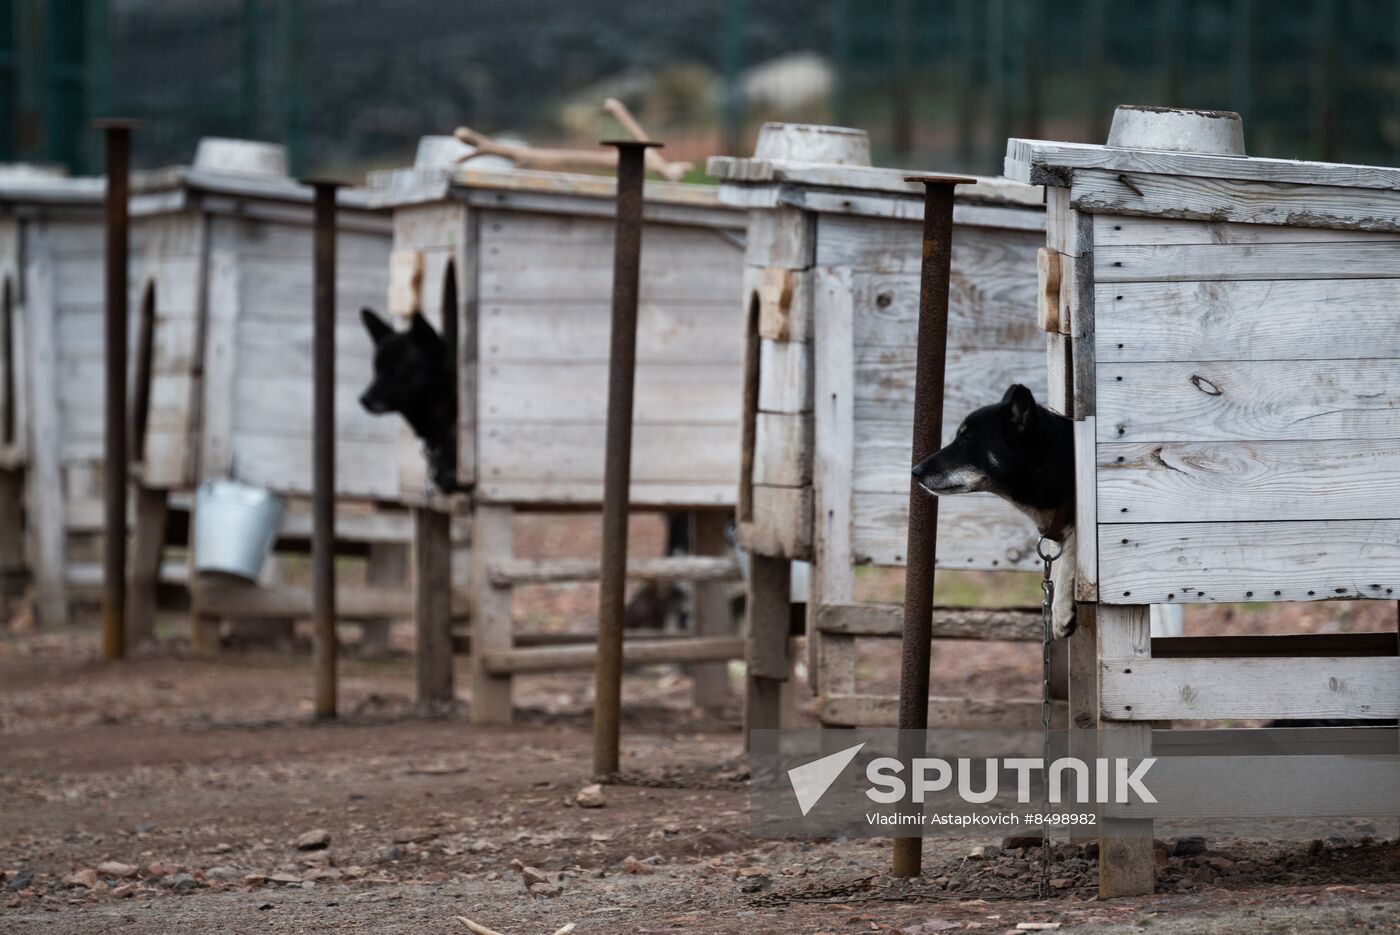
x=881 y=782
x=810 y=781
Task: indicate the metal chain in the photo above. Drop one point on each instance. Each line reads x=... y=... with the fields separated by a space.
x=1047 y=613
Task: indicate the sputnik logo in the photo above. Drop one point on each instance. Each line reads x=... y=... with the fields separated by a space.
x=811 y=780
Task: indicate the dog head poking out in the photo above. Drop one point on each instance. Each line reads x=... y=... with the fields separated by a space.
x=1016 y=449
x=411 y=377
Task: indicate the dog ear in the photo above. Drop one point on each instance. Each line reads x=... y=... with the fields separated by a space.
x=378 y=328
x=423 y=333
x=1020 y=406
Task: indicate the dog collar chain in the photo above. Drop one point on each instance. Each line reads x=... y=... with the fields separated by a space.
x=1047 y=628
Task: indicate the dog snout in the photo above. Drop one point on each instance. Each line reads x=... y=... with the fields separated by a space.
x=372 y=403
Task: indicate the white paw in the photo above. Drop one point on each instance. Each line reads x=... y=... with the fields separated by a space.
x=1062 y=619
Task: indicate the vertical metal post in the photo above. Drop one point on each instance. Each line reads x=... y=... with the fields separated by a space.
x=923 y=508
x=118 y=140
x=617 y=470
x=323 y=656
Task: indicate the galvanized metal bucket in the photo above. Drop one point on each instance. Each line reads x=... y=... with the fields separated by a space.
x=235 y=526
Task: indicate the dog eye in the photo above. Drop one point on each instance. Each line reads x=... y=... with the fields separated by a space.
x=961 y=429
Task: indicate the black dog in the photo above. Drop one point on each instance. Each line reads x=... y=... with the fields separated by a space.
x=1024 y=453
x=412 y=378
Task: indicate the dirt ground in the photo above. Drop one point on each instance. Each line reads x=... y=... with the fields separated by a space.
x=167 y=794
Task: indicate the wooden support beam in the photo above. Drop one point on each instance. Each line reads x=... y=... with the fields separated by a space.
x=148 y=541
x=505 y=572
x=233 y=598
x=854 y=710
x=432 y=611
x=711 y=607
x=1135 y=688
x=493 y=540
x=1126 y=865
x=949 y=623
x=769 y=625
x=507 y=662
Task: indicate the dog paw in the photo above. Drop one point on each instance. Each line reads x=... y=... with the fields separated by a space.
x=1062 y=622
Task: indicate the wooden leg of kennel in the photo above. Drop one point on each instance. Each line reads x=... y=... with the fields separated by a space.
x=432 y=604
x=11 y=530
x=147 y=546
x=1126 y=865
x=492 y=539
x=768 y=661
x=711 y=611
x=387 y=568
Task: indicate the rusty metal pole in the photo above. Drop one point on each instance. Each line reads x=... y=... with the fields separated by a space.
x=617 y=471
x=324 y=649
x=922 y=546
x=118 y=139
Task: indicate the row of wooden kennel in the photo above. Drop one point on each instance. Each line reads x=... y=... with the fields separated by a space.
x=220 y=272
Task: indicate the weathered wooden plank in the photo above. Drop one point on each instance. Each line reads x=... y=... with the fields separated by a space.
x=362 y=469
x=1086 y=543
x=895 y=247
x=1250 y=400
x=1021 y=624
x=1328 y=785
x=785 y=376
x=1250 y=320
x=280 y=290
x=1067 y=231
x=784 y=297
x=669 y=495
x=968 y=713
x=781 y=526
x=1246 y=561
x=493 y=539
x=965 y=212
x=783 y=449
x=1059 y=377
x=1047 y=163
x=1226 y=199
x=688 y=266
x=1170 y=482
x=782 y=238
x=646 y=652
x=834 y=423
x=1223 y=689
x=553 y=391
x=989 y=306
x=975 y=531
x=511 y=571
x=1227 y=262
x=1117 y=231
x=432 y=606
x=1126 y=867
x=45 y=502
x=884 y=381
x=282 y=407
x=221 y=354
x=438 y=224
x=546 y=452
x=673 y=332
x=279 y=349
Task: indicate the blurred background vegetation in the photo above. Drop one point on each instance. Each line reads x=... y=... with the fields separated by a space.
x=352 y=84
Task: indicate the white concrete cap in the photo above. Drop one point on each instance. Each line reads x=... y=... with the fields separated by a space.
x=241 y=157
x=809 y=142
x=1217 y=132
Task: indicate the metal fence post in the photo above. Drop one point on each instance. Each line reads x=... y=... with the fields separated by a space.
x=118 y=141
x=324 y=648
x=923 y=508
x=617 y=471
